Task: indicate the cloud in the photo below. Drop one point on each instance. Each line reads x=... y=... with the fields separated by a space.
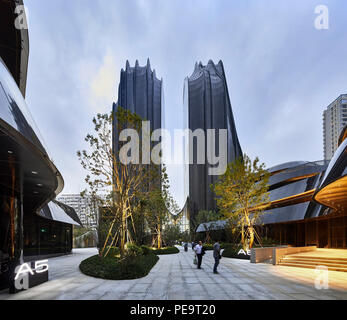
x=101 y=81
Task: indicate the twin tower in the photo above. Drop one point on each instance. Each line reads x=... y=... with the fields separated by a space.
x=206 y=106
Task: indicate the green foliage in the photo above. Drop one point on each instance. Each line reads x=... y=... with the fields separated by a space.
x=207 y=216
x=224 y=245
x=171 y=235
x=133 y=250
x=242 y=196
x=146 y=250
x=113 y=252
x=116 y=269
x=185 y=236
x=79 y=231
x=168 y=250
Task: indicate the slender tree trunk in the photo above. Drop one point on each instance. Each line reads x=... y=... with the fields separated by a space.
x=250 y=231
x=123 y=234
x=243 y=236
x=251 y=237
x=159 y=236
x=108 y=236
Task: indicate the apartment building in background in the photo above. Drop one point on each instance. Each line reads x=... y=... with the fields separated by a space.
x=334 y=120
x=83 y=208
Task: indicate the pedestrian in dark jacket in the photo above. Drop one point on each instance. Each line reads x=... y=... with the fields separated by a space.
x=216 y=255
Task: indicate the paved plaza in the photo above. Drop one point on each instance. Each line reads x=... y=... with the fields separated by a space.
x=175 y=277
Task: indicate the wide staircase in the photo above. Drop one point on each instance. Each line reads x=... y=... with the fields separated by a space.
x=334 y=260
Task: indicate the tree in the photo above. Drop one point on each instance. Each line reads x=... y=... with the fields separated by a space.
x=114 y=183
x=171 y=234
x=207 y=218
x=242 y=195
x=158 y=205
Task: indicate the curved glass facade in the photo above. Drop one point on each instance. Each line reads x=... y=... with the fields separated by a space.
x=14 y=110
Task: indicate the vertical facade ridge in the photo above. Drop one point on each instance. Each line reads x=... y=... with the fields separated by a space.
x=209 y=107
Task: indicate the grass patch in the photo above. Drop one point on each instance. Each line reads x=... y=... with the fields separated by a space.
x=112 y=268
x=167 y=250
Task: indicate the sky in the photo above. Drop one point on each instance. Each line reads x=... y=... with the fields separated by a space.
x=281 y=71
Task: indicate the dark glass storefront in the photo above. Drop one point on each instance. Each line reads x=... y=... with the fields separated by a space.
x=44 y=237
x=328 y=232
x=10 y=236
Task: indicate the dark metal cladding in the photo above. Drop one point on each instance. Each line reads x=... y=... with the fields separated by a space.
x=337 y=167
x=48 y=212
x=332 y=191
x=290 y=180
x=140 y=91
x=14 y=42
x=209 y=107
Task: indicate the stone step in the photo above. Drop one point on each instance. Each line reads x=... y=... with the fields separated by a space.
x=316 y=263
x=312 y=266
x=321 y=261
x=318 y=258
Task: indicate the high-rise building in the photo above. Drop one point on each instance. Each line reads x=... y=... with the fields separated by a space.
x=140 y=91
x=207 y=103
x=334 y=120
x=83 y=207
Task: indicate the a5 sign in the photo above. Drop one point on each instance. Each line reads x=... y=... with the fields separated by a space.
x=28 y=275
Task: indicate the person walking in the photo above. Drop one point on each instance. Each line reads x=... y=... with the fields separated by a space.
x=199 y=251
x=216 y=255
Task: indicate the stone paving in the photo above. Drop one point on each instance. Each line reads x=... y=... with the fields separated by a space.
x=175 y=277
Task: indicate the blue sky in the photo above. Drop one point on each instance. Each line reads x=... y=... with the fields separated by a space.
x=281 y=71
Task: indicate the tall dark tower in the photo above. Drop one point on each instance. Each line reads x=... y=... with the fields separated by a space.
x=208 y=107
x=140 y=91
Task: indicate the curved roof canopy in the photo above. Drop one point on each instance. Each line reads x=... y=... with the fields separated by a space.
x=332 y=192
x=25 y=166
